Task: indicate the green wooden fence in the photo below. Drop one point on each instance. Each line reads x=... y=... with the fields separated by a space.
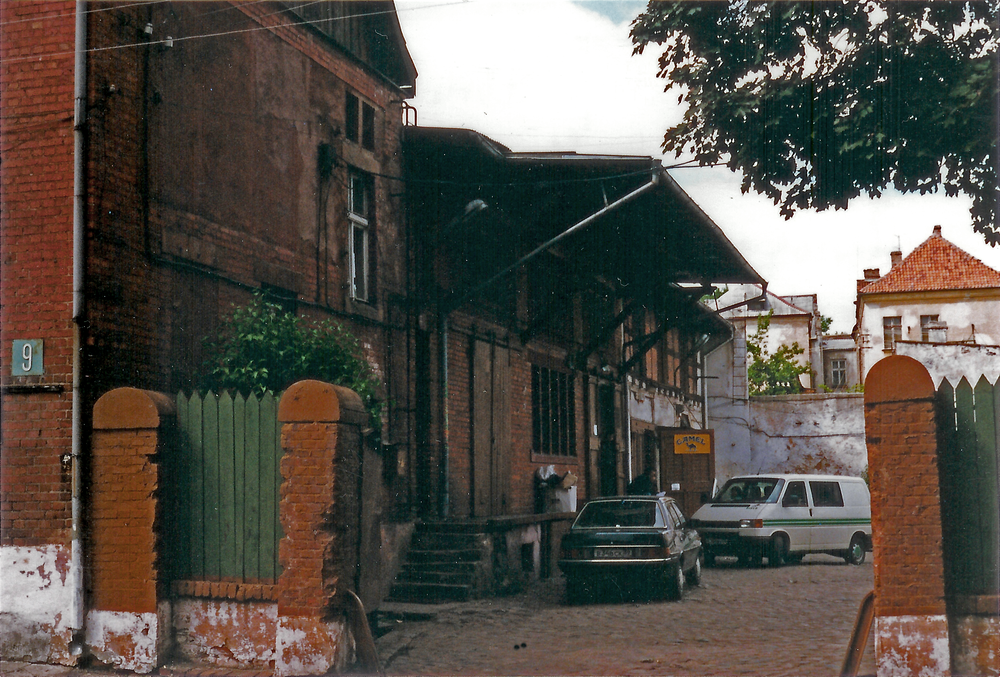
x=222 y=482
x=969 y=428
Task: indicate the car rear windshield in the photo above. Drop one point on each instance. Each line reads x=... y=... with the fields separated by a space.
x=626 y=513
x=750 y=490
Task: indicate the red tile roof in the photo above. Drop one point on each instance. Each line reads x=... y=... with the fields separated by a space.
x=934 y=265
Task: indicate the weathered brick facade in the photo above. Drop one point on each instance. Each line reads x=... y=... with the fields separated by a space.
x=215 y=162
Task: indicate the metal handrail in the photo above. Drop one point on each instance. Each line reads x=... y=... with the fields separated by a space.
x=859 y=637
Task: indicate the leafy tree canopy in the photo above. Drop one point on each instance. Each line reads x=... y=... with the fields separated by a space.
x=263 y=348
x=773 y=373
x=817 y=103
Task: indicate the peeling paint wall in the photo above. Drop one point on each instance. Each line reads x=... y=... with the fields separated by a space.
x=226 y=633
x=911 y=646
x=307 y=646
x=35 y=599
x=975 y=642
x=126 y=640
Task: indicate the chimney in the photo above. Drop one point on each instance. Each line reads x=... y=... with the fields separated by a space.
x=871 y=275
x=937 y=231
x=896 y=257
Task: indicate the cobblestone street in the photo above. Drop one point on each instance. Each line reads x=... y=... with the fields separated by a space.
x=796 y=620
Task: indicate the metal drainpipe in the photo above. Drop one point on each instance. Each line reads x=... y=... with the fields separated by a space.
x=79 y=216
x=443 y=496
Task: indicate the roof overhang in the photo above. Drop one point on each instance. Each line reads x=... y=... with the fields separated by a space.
x=644 y=247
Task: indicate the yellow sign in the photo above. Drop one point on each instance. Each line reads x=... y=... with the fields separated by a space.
x=692 y=443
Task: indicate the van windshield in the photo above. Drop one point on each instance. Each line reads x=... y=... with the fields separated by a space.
x=750 y=490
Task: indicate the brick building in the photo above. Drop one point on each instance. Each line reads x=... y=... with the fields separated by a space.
x=567 y=289
x=160 y=162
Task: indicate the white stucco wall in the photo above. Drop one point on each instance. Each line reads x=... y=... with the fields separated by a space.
x=955 y=362
x=960 y=311
x=36 y=598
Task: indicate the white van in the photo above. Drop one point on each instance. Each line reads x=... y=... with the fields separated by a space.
x=784 y=517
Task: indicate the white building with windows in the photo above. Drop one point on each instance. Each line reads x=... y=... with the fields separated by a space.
x=938 y=294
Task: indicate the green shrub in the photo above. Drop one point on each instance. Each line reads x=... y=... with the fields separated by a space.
x=263 y=348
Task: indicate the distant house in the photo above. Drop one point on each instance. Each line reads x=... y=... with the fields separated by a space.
x=938 y=294
x=794 y=320
x=840 y=362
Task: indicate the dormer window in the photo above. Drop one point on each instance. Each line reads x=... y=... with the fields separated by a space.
x=359 y=120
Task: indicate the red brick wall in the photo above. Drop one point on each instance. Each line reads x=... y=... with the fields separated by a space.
x=906 y=505
x=36 y=245
x=523 y=466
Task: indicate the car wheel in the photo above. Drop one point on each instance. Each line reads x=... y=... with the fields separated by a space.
x=676 y=586
x=576 y=591
x=694 y=575
x=856 y=552
x=777 y=553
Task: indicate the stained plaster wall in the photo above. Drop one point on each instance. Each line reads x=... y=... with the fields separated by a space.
x=808 y=433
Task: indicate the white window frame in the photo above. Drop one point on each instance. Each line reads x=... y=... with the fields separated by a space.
x=357 y=215
x=892 y=331
x=838 y=372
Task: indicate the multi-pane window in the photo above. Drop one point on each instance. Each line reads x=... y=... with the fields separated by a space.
x=359 y=119
x=838 y=372
x=892 y=331
x=553 y=411
x=358 y=213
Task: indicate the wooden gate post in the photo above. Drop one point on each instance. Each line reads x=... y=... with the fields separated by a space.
x=321 y=441
x=911 y=625
x=127 y=622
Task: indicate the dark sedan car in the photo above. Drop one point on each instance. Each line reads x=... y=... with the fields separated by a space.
x=630 y=540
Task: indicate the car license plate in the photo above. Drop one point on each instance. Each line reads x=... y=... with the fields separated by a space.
x=612 y=553
x=714 y=541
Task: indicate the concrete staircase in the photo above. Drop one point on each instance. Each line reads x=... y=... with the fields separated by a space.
x=446 y=562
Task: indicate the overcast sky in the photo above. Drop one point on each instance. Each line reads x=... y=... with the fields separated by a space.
x=560 y=75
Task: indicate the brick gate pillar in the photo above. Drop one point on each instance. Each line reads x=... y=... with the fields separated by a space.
x=319 y=512
x=127 y=624
x=911 y=626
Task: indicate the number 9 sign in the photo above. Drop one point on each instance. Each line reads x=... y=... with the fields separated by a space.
x=27 y=358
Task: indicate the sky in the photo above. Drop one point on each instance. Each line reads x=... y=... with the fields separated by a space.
x=559 y=75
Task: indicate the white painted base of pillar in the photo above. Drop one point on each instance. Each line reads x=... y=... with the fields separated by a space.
x=912 y=646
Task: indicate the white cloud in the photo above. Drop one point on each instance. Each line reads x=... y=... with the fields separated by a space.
x=558 y=75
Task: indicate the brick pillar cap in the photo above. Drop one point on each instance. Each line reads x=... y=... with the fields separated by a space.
x=898 y=378
x=315 y=401
x=131 y=408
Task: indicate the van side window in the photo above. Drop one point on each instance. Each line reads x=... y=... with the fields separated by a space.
x=826 y=494
x=795 y=495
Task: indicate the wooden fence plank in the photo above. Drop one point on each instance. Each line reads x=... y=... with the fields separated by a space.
x=986 y=567
x=181 y=515
x=239 y=460
x=229 y=567
x=197 y=484
x=251 y=489
x=210 y=424
x=963 y=522
x=278 y=531
x=268 y=458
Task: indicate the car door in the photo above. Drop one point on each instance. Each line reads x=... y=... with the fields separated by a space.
x=684 y=535
x=795 y=516
x=830 y=531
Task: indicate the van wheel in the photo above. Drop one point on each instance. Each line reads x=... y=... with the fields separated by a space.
x=856 y=552
x=777 y=554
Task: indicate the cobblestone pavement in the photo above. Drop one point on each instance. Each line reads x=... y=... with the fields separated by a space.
x=796 y=621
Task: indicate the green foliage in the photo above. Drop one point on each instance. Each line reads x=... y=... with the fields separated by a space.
x=263 y=348
x=773 y=374
x=817 y=103
x=825 y=323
